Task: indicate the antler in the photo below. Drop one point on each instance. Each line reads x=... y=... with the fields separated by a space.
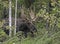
x=32 y=16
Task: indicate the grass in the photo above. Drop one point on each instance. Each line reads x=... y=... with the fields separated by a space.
x=54 y=39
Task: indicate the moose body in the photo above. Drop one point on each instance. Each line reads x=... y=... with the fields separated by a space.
x=22 y=25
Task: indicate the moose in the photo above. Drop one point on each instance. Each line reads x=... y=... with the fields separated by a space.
x=22 y=25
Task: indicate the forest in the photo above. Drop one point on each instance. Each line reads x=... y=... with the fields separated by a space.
x=29 y=21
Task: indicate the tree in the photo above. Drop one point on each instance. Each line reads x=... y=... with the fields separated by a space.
x=15 y=16
x=10 y=20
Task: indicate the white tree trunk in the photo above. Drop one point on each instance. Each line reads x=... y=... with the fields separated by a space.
x=15 y=16
x=10 y=20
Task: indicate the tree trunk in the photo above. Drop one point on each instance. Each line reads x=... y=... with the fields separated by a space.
x=15 y=16
x=10 y=20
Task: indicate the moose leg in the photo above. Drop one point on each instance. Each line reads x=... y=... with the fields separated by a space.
x=25 y=34
x=32 y=34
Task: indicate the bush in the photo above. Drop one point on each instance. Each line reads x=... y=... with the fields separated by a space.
x=3 y=36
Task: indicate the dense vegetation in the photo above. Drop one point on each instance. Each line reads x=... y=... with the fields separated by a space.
x=43 y=15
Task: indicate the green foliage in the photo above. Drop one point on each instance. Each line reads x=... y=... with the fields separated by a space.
x=48 y=13
x=3 y=36
x=54 y=39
